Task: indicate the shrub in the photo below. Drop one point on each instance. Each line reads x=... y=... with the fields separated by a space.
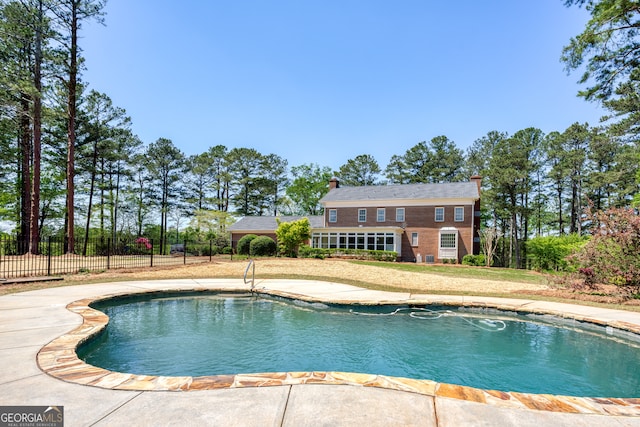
x=363 y=254
x=227 y=250
x=221 y=241
x=202 y=249
x=291 y=235
x=550 y=253
x=611 y=256
x=143 y=241
x=244 y=244
x=262 y=246
x=306 y=251
x=475 y=260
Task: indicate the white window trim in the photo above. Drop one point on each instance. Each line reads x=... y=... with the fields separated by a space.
x=335 y=215
x=435 y=214
x=391 y=240
x=384 y=214
x=417 y=236
x=448 y=252
x=365 y=215
x=455 y=210
x=403 y=214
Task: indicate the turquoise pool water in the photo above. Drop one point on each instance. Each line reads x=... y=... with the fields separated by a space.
x=210 y=334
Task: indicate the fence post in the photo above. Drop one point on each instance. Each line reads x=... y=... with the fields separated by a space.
x=108 y=253
x=151 y=253
x=210 y=249
x=49 y=256
x=184 y=256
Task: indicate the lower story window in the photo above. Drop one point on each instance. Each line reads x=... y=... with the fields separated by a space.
x=448 y=247
x=447 y=241
x=369 y=241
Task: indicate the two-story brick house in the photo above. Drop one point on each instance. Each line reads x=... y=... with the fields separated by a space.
x=421 y=222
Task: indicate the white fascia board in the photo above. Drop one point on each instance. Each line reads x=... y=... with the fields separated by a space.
x=399 y=203
x=387 y=229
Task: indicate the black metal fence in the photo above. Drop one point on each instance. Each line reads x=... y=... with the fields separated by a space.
x=52 y=255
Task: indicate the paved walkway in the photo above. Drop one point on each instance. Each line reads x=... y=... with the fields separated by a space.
x=31 y=320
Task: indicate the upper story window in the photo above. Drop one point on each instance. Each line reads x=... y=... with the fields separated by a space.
x=362 y=215
x=333 y=215
x=458 y=215
x=381 y=214
x=399 y=214
x=439 y=214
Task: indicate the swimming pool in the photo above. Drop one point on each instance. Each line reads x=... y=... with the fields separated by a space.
x=218 y=334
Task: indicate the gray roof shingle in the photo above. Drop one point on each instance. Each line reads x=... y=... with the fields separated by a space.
x=269 y=223
x=453 y=190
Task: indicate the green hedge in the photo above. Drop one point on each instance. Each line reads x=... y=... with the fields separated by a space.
x=244 y=244
x=550 y=253
x=321 y=253
x=475 y=260
x=202 y=249
x=263 y=246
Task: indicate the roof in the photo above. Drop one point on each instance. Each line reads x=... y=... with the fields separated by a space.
x=269 y=223
x=452 y=190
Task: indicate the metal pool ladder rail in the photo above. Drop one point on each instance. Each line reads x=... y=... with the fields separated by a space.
x=253 y=274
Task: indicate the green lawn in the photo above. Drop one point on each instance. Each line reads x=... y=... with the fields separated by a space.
x=493 y=273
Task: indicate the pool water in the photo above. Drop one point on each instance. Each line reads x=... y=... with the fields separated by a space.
x=230 y=334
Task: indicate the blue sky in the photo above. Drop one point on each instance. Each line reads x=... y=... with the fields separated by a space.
x=325 y=81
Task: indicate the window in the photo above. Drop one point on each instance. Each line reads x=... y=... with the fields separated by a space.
x=333 y=215
x=399 y=214
x=369 y=241
x=414 y=239
x=362 y=215
x=381 y=214
x=447 y=240
x=448 y=247
x=439 y=214
x=458 y=214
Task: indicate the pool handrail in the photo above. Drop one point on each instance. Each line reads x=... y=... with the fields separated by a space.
x=253 y=274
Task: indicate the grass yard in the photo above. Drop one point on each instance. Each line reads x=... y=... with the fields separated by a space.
x=386 y=276
x=464 y=271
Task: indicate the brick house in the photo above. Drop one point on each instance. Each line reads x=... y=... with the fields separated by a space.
x=421 y=222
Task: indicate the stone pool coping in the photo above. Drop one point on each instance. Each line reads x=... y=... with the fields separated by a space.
x=59 y=360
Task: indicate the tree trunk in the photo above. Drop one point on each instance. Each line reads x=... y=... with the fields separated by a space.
x=37 y=135
x=139 y=210
x=574 y=210
x=71 y=129
x=25 y=193
x=102 y=186
x=163 y=215
x=91 y=188
x=579 y=209
x=515 y=246
x=560 y=223
x=115 y=199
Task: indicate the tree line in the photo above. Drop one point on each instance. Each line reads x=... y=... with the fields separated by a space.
x=71 y=165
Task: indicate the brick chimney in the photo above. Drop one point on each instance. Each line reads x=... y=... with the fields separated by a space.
x=478 y=180
x=334 y=183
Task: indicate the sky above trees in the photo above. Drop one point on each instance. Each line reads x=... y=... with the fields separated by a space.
x=324 y=82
